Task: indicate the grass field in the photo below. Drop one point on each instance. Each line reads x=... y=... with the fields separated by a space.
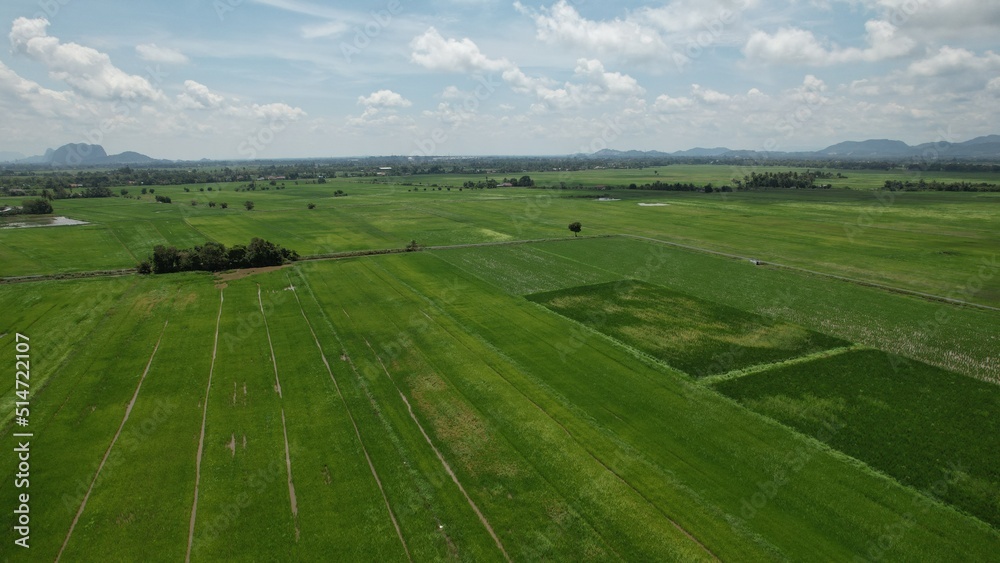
x=522 y=401
x=931 y=429
x=940 y=243
x=695 y=336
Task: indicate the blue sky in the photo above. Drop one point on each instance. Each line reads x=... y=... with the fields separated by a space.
x=192 y=79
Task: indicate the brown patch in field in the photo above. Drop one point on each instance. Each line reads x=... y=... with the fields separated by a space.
x=244 y=441
x=125 y=519
x=457 y=424
x=232 y=444
x=234 y=392
x=327 y=478
x=343 y=357
x=234 y=275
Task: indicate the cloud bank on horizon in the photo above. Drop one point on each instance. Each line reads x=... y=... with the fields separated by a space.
x=297 y=78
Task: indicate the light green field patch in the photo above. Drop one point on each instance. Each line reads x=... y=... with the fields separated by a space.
x=693 y=335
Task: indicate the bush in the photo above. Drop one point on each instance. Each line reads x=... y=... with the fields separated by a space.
x=311 y=206
x=36 y=207
x=224 y=205
x=248 y=204
x=162 y=199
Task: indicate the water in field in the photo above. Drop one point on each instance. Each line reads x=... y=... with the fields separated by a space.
x=22 y=223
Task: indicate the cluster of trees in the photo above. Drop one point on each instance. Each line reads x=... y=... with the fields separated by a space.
x=215 y=257
x=523 y=182
x=786 y=180
x=678 y=187
x=30 y=207
x=934 y=185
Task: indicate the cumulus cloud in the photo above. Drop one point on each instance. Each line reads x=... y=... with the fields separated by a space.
x=155 y=54
x=44 y=102
x=951 y=61
x=594 y=83
x=84 y=69
x=792 y=45
x=562 y=24
x=384 y=99
x=434 y=52
x=197 y=96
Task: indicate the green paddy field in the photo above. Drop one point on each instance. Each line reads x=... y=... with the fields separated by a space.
x=643 y=392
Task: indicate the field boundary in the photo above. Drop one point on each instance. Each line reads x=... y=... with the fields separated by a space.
x=107 y=453
x=284 y=427
x=738 y=373
x=893 y=289
x=350 y=415
x=444 y=462
x=201 y=439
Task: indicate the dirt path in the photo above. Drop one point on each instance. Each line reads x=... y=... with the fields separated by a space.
x=371 y=466
x=447 y=468
x=284 y=428
x=201 y=440
x=128 y=411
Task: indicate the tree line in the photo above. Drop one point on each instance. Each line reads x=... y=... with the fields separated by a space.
x=215 y=257
x=934 y=185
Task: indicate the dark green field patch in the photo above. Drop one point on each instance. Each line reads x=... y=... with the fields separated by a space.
x=929 y=428
x=696 y=336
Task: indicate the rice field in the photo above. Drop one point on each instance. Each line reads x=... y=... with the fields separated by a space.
x=577 y=399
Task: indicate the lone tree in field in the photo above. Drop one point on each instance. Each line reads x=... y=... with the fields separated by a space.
x=576 y=227
x=248 y=204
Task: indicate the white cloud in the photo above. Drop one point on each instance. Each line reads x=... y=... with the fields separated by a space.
x=155 y=54
x=944 y=18
x=434 y=52
x=791 y=45
x=384 y=99
x=198 y=96
x=952 y=60
x=43 y=101
x=84 y=69
x=562 y=24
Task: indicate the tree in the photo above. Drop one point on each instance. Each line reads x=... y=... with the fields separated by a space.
x=213 y=256
x=36 y=207
x=224 y=205
x=311 y=206
x=164 y=259
x=248 y=204
x=144 y=267
x=412 y=246
x=576 y=227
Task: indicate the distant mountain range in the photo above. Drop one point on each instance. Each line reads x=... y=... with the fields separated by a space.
x=82 y=154
x=987 y=147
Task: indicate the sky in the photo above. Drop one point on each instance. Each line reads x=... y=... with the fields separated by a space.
x=246 y=79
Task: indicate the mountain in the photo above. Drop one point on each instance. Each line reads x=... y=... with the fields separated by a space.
x=985 y=148
x=870 y=148
x=10 y=156
x=82 y=154
x=699 y=151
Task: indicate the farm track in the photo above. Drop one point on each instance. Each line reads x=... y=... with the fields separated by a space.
x=201 y=439
x=284 y=427
x=444 y=462
x=107 y=453
x=357 y=433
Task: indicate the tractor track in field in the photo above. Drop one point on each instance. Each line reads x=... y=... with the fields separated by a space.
x=357 y=433
x=444 y=462
x=107 y=453
x=201 y=439
x=284 y=428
